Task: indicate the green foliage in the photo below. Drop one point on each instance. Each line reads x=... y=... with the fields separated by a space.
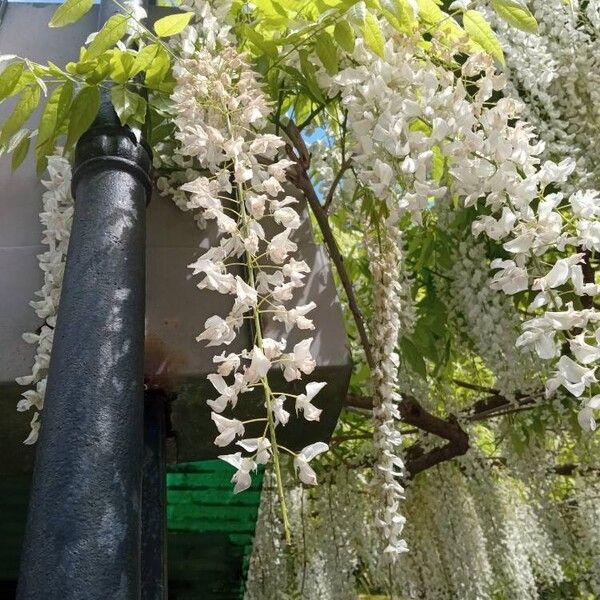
x=480 y=31
x=129 y=106
x=327 y=53
x=112 y=31
x=20 y=150
x=70 y=12
x=373 y=36
x=53 y=117
x=517 y=14
x=344 y=35
x=400 y=15
x=84 y=111
x=9 y=79
x=24 y=108
x=172 y=24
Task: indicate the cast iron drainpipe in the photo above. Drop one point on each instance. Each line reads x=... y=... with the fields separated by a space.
x=82 y=540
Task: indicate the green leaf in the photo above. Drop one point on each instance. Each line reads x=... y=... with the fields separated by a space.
x=23 y=109
x=129 y=106
x=516 y=14
x=429 y=11
x=267 y=47
x=413 y=357
x=400 y=14
x=46 y=129
x=20 y=152
x=480 y=31
x=438 y=164
x=144 y=58
x=172 y=24
x=70 y=12
x=83 y=112
x=427 y=248
x=157 y=70
x=327 y=53
x=310 y=77
x=9 y=79
x=344 y=35
x=48 y=118
x=121 y=66
x=114 y=29
x=16 y=139
x=373 y=36
x=64 y=104
x=53 y=117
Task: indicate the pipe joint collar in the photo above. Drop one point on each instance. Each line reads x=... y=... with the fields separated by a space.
x=107 y=145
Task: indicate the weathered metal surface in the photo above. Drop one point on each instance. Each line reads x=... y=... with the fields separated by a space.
x=83 y=527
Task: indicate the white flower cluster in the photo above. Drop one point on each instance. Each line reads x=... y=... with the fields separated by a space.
x=488 y=318
x=474 y=532
x=220 y=111
x=416 y=125
x=325 y=559
x=385 y=262
x=412 y=120
x=555 y=71
x=56 y=217
x=562 y=333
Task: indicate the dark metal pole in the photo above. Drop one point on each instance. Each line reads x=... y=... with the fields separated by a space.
x=83 y=531
x=154 y=498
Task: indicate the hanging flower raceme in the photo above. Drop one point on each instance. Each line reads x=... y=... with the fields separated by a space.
x=385 y=261
x=56 y=217
x=239 y=183
x=421 y=135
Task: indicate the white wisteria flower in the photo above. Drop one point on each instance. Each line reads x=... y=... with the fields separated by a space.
x=234 y=176
x=572 y=376
x=229 y=429
x=586 y=414
x=299 y=361
x=303 y=401
x=56 y=218
x=241 y=478
x=305 y=471
x=259 y=447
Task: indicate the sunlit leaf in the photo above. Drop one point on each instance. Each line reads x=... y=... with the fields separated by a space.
x=373 y=36
x=84 y=110
x=9 y=79
x=144 y=58
x=172 y=24
x=121 y=66
x=480 y=31
x=129 y=106
x=24 y=108
x=157 y=70
x=70 y=12
x=114 y=29
x=344 y=35
x=327 y=53
x=517 y=14
x=20 y=152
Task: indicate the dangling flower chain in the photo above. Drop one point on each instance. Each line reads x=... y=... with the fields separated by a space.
x=57 y=217
x=386 y=261
x=416 y=123
x=220 y=107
